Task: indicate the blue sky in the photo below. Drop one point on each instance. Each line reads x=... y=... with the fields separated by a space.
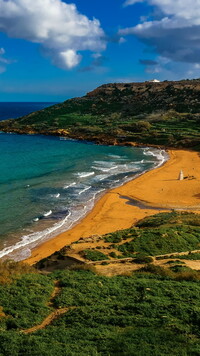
x=51 y=50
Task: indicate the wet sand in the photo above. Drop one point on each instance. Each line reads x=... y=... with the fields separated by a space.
x=155 y=191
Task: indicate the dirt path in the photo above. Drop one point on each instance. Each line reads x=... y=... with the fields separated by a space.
x=49 y=319
x=176 y=254
x=53 y=315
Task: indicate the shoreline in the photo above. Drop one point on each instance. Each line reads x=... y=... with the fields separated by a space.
x=159 y=189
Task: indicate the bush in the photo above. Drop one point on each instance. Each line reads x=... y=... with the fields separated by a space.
x=113 y=254
x=94 y=255
x=143 y=259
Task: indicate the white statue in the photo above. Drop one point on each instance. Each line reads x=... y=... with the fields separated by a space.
x=181 y=176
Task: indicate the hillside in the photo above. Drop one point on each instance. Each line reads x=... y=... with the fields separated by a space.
x=165 y=113
x=152 y=310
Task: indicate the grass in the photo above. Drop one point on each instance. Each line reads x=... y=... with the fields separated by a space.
x=111 y=315
x=160 y=309
x=94 y=255
x=159 y=234
x=191 y=256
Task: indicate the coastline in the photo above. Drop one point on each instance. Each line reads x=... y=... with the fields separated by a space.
x=158 y=190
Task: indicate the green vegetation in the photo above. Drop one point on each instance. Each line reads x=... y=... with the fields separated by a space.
x=158 y=315
x=24 y=300
x=172 y=218
x=153 y=311
x=190 y=256
x=161 y=114
x=94 y=255
x=142 y=259
x=159 y=234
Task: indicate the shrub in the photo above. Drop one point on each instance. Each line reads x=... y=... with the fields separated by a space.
x=94 y=255
x=143 y=259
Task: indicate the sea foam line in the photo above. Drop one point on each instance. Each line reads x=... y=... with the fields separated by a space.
x=104 y=169
x=69 y=185
x=84 y=174
x=32 y=238
x=28 y=239
x=84 y=190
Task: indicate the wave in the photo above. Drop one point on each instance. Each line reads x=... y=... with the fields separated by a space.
x=55 y=195
x=47 y=213
x=32 y=238
x=84 y=174
x=113 y=173
x=104 y=163
x=69 y=185
x=160 y=155
x=100 y=177
x=104 y=169
x=115 y=156
x=84 y=190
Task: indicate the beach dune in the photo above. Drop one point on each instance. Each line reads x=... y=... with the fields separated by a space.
x=155 y=191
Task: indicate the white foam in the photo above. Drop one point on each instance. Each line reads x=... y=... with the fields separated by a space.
x=159 y=154
x=75 y=213
x=55 y=195
x=115 y=156
x=69 y=185
x=105 y=169
x=32 y=238
x=36 y=219
x=100 y=177
x=47 y=213
x=85 y=174
x=104 y=163
x=84 y=190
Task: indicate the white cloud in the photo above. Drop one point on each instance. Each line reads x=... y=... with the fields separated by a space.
x=176 y=34
x=68 y=59
x=132 y=2
x=2 y=51
x=60 y=29
x=3 y=61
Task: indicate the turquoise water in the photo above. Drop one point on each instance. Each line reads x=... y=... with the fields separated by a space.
x=47 y=184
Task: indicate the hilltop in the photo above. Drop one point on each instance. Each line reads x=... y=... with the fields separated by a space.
x=154 y=113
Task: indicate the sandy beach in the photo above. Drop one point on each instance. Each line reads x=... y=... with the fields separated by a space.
x=153 y=192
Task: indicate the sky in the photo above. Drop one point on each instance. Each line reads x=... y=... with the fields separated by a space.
x=51 y=50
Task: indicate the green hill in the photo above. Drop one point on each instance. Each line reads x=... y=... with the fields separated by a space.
x=166 y=113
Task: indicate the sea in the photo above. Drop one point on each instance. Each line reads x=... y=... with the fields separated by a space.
x=48 y=184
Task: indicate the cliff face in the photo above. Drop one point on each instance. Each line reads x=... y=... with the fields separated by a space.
x=165 y=113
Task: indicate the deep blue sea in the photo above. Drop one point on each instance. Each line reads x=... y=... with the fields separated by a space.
x=47 y=183
x=14 y=110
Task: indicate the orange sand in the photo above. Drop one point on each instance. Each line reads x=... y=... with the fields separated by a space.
x=115 y=210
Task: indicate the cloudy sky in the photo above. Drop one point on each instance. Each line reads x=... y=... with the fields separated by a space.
x=51 y=50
